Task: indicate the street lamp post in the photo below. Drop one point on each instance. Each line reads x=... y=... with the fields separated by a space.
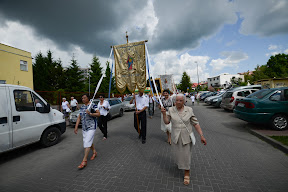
x=197 y=75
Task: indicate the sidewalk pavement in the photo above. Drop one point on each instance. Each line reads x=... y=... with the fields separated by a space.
x=264 y=132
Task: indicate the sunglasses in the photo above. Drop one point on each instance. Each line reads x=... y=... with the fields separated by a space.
x=100 y=97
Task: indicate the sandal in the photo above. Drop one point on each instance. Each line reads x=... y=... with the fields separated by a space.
x=93 y=156
x=82 y=165
x=186 y=180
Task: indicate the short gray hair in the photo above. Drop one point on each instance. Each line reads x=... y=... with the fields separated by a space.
x=179 y=94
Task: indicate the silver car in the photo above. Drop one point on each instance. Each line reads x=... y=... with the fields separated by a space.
x=117 y=109
x=229 y=98
x=127 y=105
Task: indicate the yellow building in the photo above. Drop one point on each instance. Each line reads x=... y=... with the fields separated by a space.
x=273 y=82
x=15 y=66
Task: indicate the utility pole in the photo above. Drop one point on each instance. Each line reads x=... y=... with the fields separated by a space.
x=197 y=75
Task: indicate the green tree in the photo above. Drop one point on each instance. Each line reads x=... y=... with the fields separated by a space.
x=259 y=73
x=106 y=80
x=47 y=73
x=75 y=79
x=95 y=73
x=277 y=66
x=185 y=82
x=40 y=72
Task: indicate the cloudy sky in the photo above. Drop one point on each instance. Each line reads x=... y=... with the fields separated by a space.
x=221 y=36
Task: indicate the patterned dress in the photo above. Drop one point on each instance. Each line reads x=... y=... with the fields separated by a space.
x=89 y=125
x=166 y=104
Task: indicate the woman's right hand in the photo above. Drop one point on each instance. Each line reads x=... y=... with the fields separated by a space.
x=76 y=130
x=163 y=110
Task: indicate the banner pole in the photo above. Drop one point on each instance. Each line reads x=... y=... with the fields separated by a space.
x=137 y=118
x=110 y=74
x=152 y=76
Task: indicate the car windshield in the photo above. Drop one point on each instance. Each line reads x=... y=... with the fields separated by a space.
x=260 y=94
x=128 y=98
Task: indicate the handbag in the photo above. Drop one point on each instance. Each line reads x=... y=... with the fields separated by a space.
x=192 y=136
x=68 y=110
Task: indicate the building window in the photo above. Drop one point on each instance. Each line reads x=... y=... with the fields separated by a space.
x=2 y=81
x=23 y=65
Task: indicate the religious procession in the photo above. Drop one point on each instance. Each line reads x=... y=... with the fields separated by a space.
x=178 y=121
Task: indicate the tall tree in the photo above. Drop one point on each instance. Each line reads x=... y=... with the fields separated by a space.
x=95 y=73
x=277 y=66
x=40 y=73
x=260 y=73
x=46 y=72
x=185 y=82
x=75 y=78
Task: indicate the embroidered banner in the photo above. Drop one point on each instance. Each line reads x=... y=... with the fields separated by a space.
x=130 y=66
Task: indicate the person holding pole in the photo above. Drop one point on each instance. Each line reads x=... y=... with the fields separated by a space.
x=87 y=115
x=141 y=103
x=182 y=119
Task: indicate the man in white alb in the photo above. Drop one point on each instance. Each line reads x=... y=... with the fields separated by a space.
x=142 y=103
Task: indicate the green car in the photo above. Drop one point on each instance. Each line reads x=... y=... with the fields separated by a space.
x=265 y=106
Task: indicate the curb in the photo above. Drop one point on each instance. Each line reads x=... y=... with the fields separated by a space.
x=269 y=140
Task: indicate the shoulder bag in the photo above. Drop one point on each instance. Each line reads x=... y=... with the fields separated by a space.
x=192 y=136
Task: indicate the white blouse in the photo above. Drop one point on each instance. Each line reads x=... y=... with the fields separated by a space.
x=105 y=105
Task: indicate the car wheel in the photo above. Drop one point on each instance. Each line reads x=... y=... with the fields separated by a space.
x=50 y=137
x=279 y=122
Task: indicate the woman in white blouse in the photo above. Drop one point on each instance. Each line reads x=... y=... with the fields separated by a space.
x=103 y=107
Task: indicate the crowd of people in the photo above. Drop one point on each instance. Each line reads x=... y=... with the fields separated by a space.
x=177 y=121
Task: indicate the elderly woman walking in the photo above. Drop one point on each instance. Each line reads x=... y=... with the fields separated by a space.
x=89 y=124
x=182 y=118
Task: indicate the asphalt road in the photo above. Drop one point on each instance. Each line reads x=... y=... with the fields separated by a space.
x=233 y=160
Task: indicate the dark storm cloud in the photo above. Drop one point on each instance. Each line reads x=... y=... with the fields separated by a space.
x=183 y=23
x=93 y=25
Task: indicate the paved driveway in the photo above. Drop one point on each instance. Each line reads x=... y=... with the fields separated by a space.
x=233 y=160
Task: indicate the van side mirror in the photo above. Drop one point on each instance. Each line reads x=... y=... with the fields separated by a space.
x=46 y=108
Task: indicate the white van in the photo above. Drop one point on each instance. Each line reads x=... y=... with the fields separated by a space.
x=25 y=117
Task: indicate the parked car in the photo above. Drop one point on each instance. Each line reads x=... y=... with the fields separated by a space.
x=117 y=109
x=209 y=94
x=127 y=105
x=265 y=106
x=209 y=100
x=229 y=98
x=216 y=102
x=247 y=87
x=25 y=117
x=200 y=93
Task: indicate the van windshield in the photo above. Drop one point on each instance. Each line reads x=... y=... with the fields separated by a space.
x=260 y=94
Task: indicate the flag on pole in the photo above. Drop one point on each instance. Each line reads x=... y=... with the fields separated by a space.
x=130 y=66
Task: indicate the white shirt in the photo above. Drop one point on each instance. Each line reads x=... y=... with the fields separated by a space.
x=151 y=99
x=103 y=111
x=38 y=105
x=141 y=102
x=65 y=105
x=74 y=103
x=192 y=98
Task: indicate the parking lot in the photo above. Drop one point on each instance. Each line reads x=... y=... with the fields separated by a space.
x=233 y=160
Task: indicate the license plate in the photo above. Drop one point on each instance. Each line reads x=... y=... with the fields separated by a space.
x=241 y=104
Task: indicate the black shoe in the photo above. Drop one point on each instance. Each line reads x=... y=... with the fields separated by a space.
x=143 y=141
